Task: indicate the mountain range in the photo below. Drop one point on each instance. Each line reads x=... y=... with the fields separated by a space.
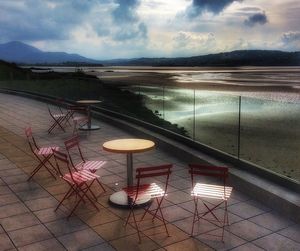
x=21 y=53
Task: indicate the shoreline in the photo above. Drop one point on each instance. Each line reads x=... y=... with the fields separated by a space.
x=279 y=91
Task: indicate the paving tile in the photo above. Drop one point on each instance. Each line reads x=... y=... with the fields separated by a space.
x=65 y=226
x=248 y=247
x=28 y=235
x=114 y=230
x=271 y=221
x=188 y=245
x=181 y=184
x=97 y=218
x=213 y=239
x=51 y=244
x=8 y=199
x=24 y=186
x=42 y=203
x=276 y=242
x=131 y=243
x=174 y=213
x=19 y=221
x=4 y=190
x=245 y=210
x=248 y=230
x=160 y=236
x=15 y=179
x=11 y=172
x=12 y=209
x=200 y=227
x=48 y=215
x=292 y=232
x=33 y=194
x=178 y=197
x=84 y=239
x=5 y=243
x=101 y=247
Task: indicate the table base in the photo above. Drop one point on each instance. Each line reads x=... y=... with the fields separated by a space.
x=86 y=128
x=120 y=199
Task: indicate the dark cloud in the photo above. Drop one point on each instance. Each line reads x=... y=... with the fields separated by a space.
x=132 y=32
x=126 y=11
x=290 y=37
x=40 y=20
x=130 y=26
x=214 y=6
x=257 y=18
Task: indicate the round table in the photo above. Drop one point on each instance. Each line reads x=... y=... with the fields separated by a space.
x=127 y=146
x=88 y=103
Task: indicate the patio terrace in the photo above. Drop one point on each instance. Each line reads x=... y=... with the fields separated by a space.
x=28 y=220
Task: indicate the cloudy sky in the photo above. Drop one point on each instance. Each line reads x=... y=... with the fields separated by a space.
x=105 y=29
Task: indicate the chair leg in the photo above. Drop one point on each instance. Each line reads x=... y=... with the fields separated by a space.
x=196 y=214
x=81 y=199
x=163 y=218
x=40 y=165
x=136 y=225
x=65 y=197
x=100 y=184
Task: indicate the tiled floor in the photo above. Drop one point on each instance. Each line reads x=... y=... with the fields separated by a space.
x=28 y=220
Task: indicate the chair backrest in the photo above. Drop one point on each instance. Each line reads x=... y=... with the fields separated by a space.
x=60 y=103
x=71 y=144
x=208 y=170
x=154 y=171
x=61 y=159
x=31 y=141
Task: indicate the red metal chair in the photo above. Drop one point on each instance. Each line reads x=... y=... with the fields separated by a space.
x=73 y=147
x=42 y=154
x=202 y=191
x=138 y=193
x=58 y=118
x=80 y=182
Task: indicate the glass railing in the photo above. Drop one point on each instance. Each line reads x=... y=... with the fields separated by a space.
x=263 y=132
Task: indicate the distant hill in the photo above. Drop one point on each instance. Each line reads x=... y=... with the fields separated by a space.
x=234 y=58
x=21 y=53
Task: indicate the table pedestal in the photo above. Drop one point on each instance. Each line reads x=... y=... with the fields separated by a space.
x=89 y=126
x=120 y=198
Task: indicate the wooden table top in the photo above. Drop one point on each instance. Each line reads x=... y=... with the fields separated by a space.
x=88 y=101
x=128 y=145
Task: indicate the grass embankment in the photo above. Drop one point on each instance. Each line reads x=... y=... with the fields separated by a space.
x=77 y=85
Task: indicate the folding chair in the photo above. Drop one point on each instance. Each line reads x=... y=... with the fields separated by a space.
x=42 y=154
x=141 y=190
x=80 y=182
x=202 y=191
x=78 y=114
x=73 y=147
x=58 y=118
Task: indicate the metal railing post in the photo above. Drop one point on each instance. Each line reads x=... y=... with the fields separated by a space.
x=194 y=120
x=239 y=127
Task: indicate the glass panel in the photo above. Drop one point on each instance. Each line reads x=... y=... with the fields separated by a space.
x=179 y=110
x=217 y=118
x=270 y=135
x=153 y=100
